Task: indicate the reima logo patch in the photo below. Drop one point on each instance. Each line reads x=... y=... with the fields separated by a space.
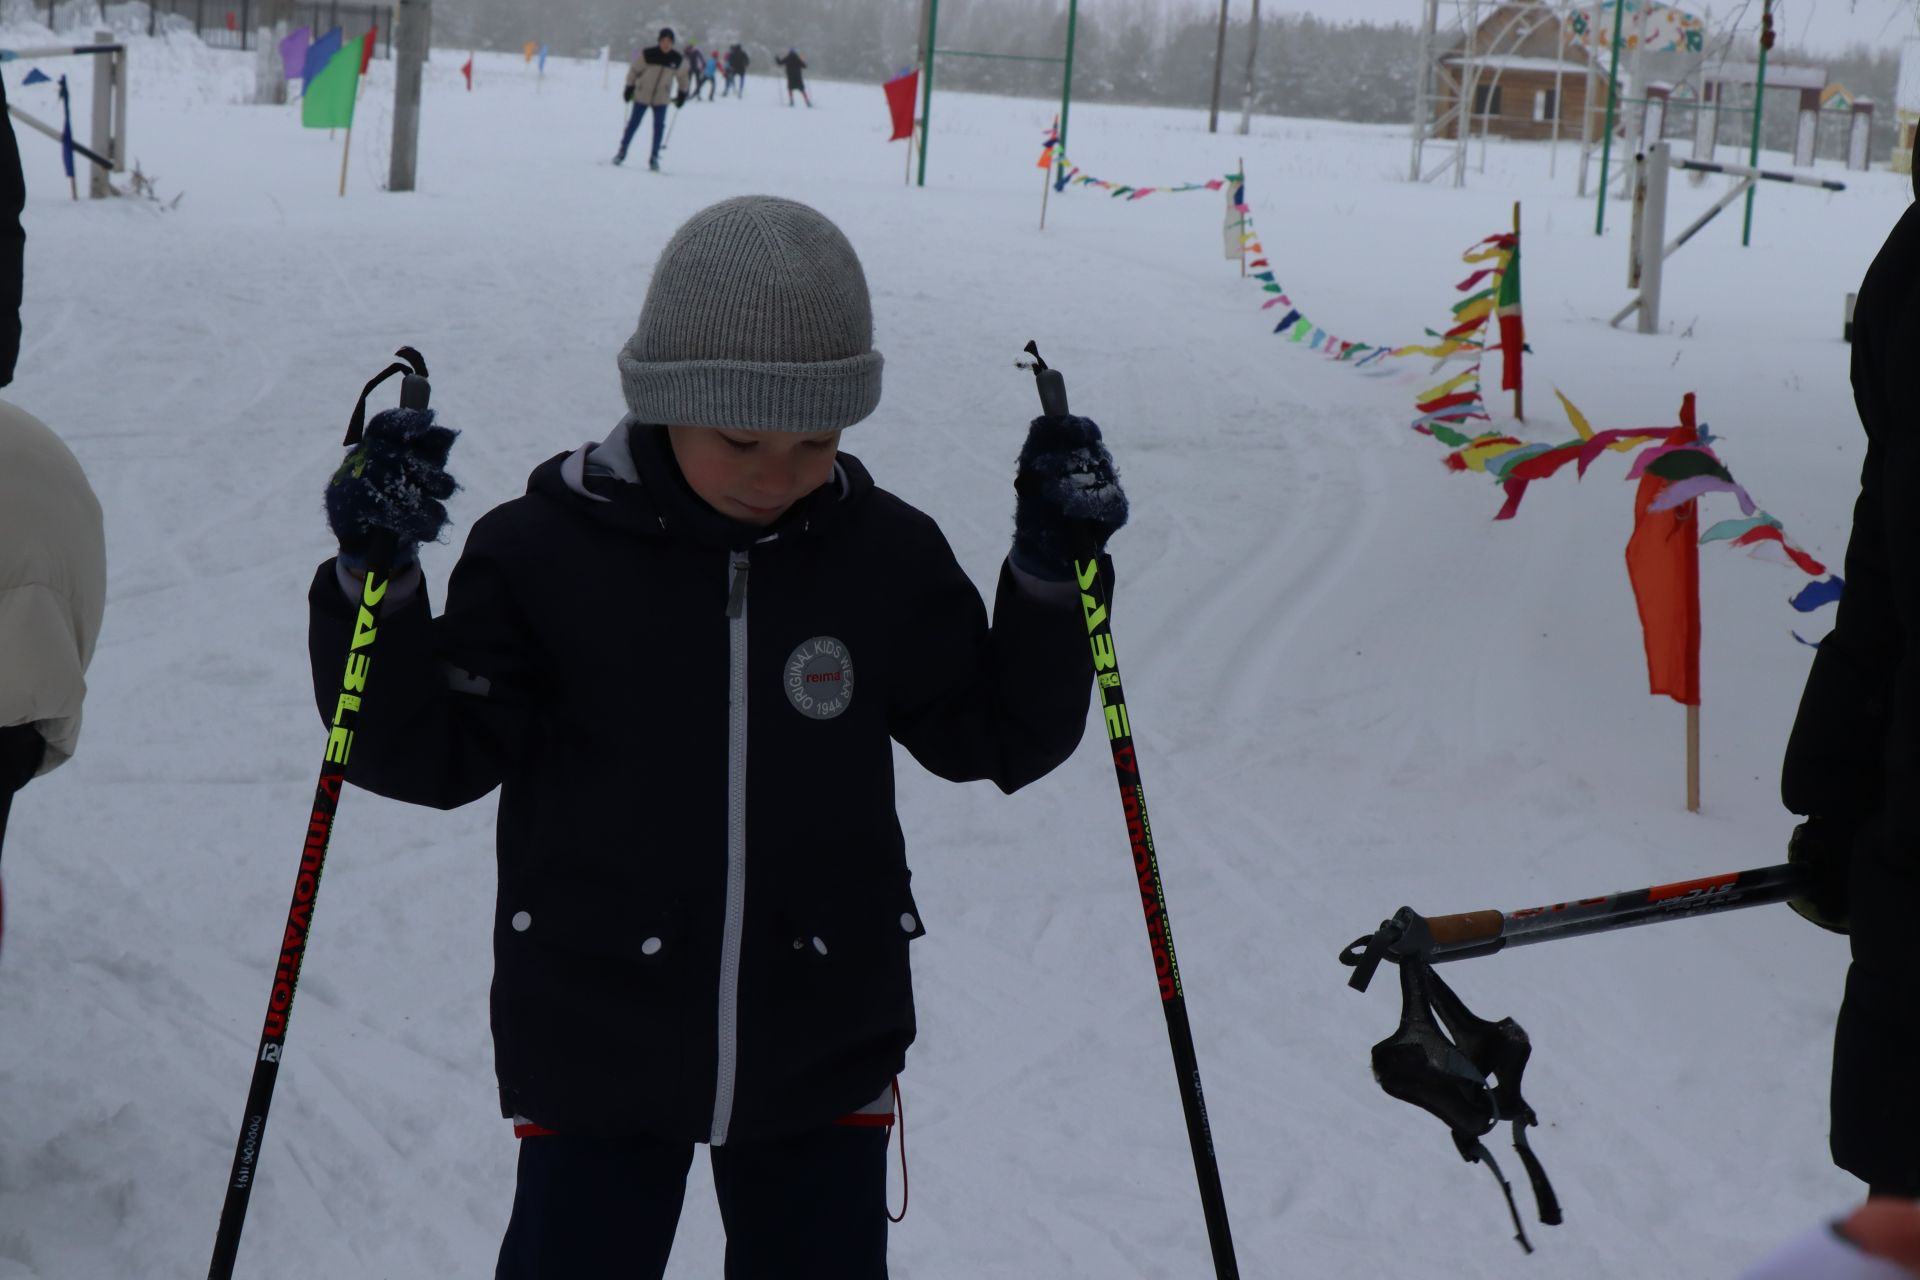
x=819 y=678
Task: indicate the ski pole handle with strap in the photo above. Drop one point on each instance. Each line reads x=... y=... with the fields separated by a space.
x=1094 y=603
x=414 y=394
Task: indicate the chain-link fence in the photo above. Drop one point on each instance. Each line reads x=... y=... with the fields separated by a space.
x=228 y=24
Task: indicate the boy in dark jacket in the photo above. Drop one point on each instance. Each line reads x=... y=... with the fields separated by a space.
x=684 y=657
x=794 y=65
x=1853 y=762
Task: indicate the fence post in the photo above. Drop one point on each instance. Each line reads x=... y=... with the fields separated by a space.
x=1653 y=234
x=102 y=139
x=411 y=19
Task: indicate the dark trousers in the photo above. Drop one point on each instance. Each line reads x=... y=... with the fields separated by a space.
x=807 y=1208
x=633 y=127
x=1876 y=1044
x=21 y=749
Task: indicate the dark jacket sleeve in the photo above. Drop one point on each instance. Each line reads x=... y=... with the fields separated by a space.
x=13 y=243
x=446 y=710
x=1006 y=702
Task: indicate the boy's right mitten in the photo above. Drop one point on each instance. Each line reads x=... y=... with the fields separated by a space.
x=1069 y=497
x=395 y=479
x=626 y=94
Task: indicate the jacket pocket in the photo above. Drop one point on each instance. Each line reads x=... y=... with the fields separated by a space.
x=589 y=997
x=843 y=976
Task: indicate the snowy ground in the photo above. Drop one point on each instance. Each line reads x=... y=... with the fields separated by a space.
x=1351 y=688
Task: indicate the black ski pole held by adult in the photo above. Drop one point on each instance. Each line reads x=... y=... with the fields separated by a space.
x=1466 y=934
x=414 y=394
x=1094 y=602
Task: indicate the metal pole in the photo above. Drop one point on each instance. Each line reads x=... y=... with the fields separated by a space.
x=1423 y=90
x=1066 y=86
x=1219 y=58
x=1253 y=43
x=1559 y=94
x=1759 y=101
x=1653 y=234
x=1606 y=140
x=410 y=54
x=98 y=188
x=926 y=88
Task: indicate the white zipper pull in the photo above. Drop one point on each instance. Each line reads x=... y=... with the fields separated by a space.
x=737 y=594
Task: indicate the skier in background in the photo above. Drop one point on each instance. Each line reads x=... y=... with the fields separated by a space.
x=737 y=61
x=53 y=555
x=684 y=657
x=698 y=67
x=651 y=82
x=794 y=64
x=1853 y=761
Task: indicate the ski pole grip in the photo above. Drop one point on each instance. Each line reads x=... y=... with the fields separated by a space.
x=1466 y=928
x=415 y=391
x=1053 y=387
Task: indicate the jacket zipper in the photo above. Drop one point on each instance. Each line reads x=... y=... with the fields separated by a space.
x=730 y=939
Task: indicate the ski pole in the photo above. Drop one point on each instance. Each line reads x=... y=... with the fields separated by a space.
x=1479 y=933
x=670 y=124
x=1146 y=864
x=414 y=394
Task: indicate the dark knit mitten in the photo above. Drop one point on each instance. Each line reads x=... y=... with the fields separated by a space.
x=1069 y=497
x=1823 y=850
x=396 y=480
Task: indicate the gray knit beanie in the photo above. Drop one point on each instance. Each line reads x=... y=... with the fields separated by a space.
x=757 y=319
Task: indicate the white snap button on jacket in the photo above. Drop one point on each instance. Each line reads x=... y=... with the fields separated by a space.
x=907 y=922
x=521 y=921
x=820 y=946
x=650 y=947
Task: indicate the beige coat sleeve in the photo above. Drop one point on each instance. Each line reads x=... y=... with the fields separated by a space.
x=53 y=582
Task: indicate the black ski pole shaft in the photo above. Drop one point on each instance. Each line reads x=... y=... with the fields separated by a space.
x=1481 y=931
x=1094 y=602
x=414 y=394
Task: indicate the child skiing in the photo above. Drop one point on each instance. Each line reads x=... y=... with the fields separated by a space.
x=737 y=61
x=794 y=64
x=684 y=656
x=651 y=81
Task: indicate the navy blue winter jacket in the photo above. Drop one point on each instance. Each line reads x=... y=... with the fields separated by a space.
x=704 y=913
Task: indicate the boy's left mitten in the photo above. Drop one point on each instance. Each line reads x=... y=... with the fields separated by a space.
x=1069 y=497
x=395 y=479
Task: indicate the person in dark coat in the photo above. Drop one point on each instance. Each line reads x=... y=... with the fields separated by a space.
x=13 y=243
x=737 y=61
x=684 y=658
x=1853 y=761
x=794 y=65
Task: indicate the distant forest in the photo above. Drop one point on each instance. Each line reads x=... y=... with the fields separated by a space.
x=1138 y=51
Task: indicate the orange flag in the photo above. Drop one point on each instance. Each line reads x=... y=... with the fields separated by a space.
x=1663 y=562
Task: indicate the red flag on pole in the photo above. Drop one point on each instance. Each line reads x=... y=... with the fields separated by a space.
x=366 y=48
x=901 y=92
x=1663 y=562
x=467 y=71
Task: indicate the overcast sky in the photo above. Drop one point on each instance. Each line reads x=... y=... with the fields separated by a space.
x=1813 y=26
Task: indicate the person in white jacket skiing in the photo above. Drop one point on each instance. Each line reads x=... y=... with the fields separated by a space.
x=656 y=78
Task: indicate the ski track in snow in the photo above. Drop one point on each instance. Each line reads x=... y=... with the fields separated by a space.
x=1350 y=687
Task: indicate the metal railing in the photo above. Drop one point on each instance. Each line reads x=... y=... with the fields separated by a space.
x=228 y=24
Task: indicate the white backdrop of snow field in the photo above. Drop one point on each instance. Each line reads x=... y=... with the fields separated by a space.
x=1350 y=688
